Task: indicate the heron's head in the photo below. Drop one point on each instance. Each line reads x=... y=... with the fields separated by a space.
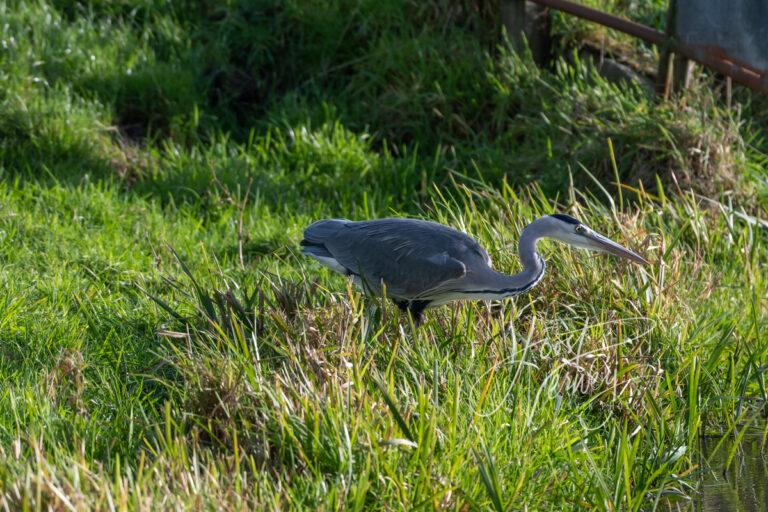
x=572 y=232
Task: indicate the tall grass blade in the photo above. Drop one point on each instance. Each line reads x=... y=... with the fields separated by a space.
x=399 y=419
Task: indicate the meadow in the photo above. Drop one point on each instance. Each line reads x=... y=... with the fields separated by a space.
x=163 y=344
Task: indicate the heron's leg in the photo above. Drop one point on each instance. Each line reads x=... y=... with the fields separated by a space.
x=416 y=309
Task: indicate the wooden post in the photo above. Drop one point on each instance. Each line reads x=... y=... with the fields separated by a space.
x=682 y=69
x=674 y=74
x=513 y=18
x=663 y=75
x=537 y=31
x=526 y=21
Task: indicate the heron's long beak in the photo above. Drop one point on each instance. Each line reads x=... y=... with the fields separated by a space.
x=601 y=243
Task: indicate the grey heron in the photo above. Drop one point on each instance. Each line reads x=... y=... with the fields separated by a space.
x=424 y=264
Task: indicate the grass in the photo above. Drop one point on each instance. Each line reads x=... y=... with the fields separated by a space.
x=163 y=344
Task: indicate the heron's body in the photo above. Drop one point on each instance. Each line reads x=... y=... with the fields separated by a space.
x=419 y=264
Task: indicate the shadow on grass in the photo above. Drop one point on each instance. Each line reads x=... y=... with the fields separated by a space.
x=314 y=105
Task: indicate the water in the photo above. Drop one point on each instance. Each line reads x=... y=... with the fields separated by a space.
x=742 y=486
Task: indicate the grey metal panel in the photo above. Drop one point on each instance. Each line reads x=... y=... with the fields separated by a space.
x=734 y=29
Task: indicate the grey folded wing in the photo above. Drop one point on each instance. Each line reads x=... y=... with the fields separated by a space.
x=413 y=258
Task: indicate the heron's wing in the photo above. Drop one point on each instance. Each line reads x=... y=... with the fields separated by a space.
x=411 y=257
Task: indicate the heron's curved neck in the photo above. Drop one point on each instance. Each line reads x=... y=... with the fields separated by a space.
x=492 y=285
x=533 y=265
x=532 y=262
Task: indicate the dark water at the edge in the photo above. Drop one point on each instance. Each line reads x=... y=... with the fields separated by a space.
x=743 y=486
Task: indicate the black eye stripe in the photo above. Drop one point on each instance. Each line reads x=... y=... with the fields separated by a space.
x=566 y=218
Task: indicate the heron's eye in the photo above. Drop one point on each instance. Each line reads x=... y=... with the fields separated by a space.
x=580 y=229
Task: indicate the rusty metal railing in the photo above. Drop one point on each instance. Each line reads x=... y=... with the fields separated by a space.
x=713 y=58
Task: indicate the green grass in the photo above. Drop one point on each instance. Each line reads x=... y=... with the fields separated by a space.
x=163 y=344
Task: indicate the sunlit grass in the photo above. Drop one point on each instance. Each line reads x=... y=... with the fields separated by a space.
x=282 y=389
x=163 y=344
